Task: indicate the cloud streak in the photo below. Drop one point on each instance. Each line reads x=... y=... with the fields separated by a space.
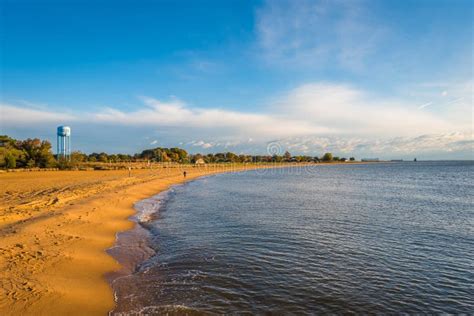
x=425 y=105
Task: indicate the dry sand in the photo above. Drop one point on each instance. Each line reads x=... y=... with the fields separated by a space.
x=55 y=227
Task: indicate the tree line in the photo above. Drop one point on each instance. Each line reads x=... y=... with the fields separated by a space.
x=29 y=153
x=36 y=153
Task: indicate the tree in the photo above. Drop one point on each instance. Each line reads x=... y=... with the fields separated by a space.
x=182 y=154
x=124 y=157
x=113 y=158
x=31 y=163
x=77 y=156
x=164 y=157
x=38 y=153
x=45 y=158
x=10 y=155
x=149 y=154
x=276 y=158
x=245 y=158
x=103 y=157
x=287 y=156
x=327 y=157
x=231 y=157
x=352 y=159
x=158 y=154
x=10 y=161
x=219 y=157
x=174 y=156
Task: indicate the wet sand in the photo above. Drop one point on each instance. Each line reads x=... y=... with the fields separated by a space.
x=55 y=227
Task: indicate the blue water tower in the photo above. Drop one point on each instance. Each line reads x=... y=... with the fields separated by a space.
x=64 y=142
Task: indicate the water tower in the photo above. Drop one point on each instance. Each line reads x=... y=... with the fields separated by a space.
x=64 y=142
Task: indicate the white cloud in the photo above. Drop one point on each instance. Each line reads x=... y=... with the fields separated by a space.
x=11 y=115
x=176 y=113
x=337 y=117
x=345 y=110
x=202 y=144
x=308 y=110
x=449 y=142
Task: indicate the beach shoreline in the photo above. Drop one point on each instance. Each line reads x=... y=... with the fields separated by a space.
x=53 y=239
x=56 y=228
x=131 y=247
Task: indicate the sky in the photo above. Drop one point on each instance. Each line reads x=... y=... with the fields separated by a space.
x=386 y=79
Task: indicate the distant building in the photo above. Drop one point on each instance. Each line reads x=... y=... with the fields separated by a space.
x=200 y=161
x=370 y=159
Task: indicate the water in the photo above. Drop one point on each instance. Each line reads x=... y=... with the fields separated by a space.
x=376 y=238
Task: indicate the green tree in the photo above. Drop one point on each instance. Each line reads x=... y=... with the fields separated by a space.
x=327 y=157
x=149 y=154
x=276 y=158
x=31 y=163
x=38 y=153
x=45 y=158
x=352 y=159
x=10 y=161
x=210 y=158
x=113 y=158
x=231 y=157
x=174 y=156
x=165 y=157
x=182 y=155
x=103 y=157
x=124 y=157
x=219 y=157
x=10 y=152
x=245 y=158
x=77 y=156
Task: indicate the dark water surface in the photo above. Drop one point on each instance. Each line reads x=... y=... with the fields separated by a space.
x=376 y=238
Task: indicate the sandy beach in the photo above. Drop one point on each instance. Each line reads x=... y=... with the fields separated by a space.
x=55 y=227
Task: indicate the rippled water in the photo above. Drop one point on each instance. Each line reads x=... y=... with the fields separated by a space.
x=375 y=238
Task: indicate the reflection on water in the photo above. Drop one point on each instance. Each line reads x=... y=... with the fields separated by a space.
x=363 y=238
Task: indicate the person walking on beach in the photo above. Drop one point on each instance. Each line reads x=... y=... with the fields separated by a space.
x=184 y=174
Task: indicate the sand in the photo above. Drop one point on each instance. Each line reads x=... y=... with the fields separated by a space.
x=55 y=227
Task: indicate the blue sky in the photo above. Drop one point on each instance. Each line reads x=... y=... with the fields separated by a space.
x=391 y=79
